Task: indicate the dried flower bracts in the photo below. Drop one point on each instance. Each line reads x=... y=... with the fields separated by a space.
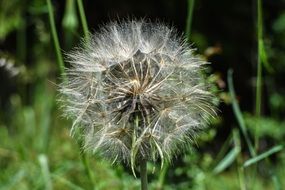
x=137 y=92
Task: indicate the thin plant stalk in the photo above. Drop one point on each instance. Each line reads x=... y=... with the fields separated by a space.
x=258 y=94
x=143 y=162
x=55 y=39
x=83 y=20
x=190 y=9
x=162 y=176
x=43 y=160
x=240 y=169
x=261 y=58
x=188 y=28
x=238 y=114
x=87 y=169
x=143 y=172
x=259 y=64
x=61 y=67
x=241 y=174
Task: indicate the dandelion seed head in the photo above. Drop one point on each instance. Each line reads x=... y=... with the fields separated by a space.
x=137 y=92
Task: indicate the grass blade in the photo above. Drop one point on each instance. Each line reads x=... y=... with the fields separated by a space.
x=231 y=156
x=83 y=20
x=238 y=113
x=227 y=161
x=276 y=182
x=162 y=176
x=262 y=156
x=258 y=91
x=88 y=171
x=68 y=184
x=189 y=17
x=55 y=39
x=14 y=180
x=45 y=171
x=223 y=149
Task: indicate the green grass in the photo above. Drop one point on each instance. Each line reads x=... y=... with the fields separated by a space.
x=37 y=152
x=55 y=38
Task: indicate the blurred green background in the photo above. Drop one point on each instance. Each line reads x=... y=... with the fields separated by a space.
x=243 y=148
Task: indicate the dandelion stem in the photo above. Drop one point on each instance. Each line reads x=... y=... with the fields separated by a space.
x=143 y=171
x=143 y=163
x=55 y=39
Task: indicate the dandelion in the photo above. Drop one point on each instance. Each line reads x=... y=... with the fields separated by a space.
x=137 y=92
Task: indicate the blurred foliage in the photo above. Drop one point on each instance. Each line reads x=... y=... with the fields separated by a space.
x=10 y=17
x=36 y=150
x=268 y=127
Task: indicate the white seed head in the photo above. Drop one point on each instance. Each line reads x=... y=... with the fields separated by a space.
x=137 y=92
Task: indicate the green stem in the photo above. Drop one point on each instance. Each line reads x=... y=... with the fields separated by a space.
x=238 y=114
x=143 y=172
x=189 y=17
x=86 y=35
x=83 y=20
x=162 y=176
x=241 y=175
x=87 y=39
x=259 y=20
x=61 y=66
x=258 y=89
x=258 y=95
x=87 y=169
x=55 y=39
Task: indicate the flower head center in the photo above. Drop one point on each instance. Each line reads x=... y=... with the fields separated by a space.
x=136 y=87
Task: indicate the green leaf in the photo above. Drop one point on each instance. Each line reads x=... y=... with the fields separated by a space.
x=66 y=182
x=276 y=182
x=238 y=113
x=231 y=156
x=263 y=155
x=14 y=180
x=279 y=24
x=43 y=160
x=223 y=150
x=227 y=161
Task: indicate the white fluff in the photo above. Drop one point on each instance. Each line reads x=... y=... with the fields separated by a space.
x=137 y=92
